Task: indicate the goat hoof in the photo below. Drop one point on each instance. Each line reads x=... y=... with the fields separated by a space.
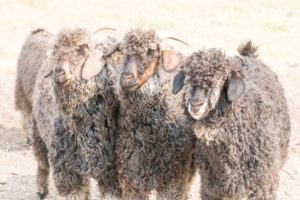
x=42 y=195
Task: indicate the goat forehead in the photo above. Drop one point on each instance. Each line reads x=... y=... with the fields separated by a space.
x=67 y=48
x=69 y=40
x=207 y=68
x=140 y=42
x=143 y=62
x=63 y=55
x=207 y=82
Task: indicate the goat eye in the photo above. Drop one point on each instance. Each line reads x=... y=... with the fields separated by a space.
x=55 y=46
x=150 y=52
x=206 y=92
x=192 y=90
x=82 y=49
x=126 y=59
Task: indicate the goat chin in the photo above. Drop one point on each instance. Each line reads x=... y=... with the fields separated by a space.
x=200 y=113
x=151 y=87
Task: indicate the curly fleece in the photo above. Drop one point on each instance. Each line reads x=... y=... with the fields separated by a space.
x=31 y=57
x=76 y=124
x=154 y=149
x=249 y=137
x=205 y=67
x=141 y=42
x=68 y=40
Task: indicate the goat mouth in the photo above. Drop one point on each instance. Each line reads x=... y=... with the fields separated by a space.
x=197 y=112
x=63 y=80
x=130 y=85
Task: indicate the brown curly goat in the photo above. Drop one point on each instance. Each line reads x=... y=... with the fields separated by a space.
x=27 y=69
x=154 y=148
x=73 y=110
x=240 y=116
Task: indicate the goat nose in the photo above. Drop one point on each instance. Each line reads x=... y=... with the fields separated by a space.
x=59 y=70
x=196 y=103
x=127 y=75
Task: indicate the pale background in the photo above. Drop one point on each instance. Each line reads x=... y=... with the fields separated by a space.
x=273 y=24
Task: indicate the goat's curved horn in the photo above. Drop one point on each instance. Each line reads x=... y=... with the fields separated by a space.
x=176 y=39
x=170 y=36
x=103 y=29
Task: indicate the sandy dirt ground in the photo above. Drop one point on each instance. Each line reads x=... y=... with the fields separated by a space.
x=273 y=25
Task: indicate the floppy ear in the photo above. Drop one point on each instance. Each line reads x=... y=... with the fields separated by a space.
x=235 y=89
x=170 y=60
x=178 y=82
x=92 y=65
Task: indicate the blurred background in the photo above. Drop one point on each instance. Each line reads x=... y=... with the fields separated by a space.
x=272 y=24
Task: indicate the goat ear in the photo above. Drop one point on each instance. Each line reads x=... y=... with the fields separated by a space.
x=235 y=89
x=178 y=82
x=170 y=60
x=92 y=65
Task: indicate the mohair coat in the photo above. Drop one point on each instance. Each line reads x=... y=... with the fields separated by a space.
x=154 y=146
x=242 y=145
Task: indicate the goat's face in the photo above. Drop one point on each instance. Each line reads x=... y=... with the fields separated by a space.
x=143 y=55
x=69 y=52
x=208 y=74
x=73 y=56
x=136 y=71
x=200 y=100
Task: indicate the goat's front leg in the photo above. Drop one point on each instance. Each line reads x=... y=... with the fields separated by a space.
x=40 y=151
x=174 y=191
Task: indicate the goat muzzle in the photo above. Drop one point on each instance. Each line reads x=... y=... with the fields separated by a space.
x=62 y=74
x=129 y=82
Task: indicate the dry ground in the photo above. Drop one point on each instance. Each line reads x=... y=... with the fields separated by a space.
x=272 y=24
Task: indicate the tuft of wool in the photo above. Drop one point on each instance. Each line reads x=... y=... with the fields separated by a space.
x=140 y=42
x=248 y=49
x=154 y=146
x=71 y=44
x=201 y=66
x=68 y=39
x=230 y=156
